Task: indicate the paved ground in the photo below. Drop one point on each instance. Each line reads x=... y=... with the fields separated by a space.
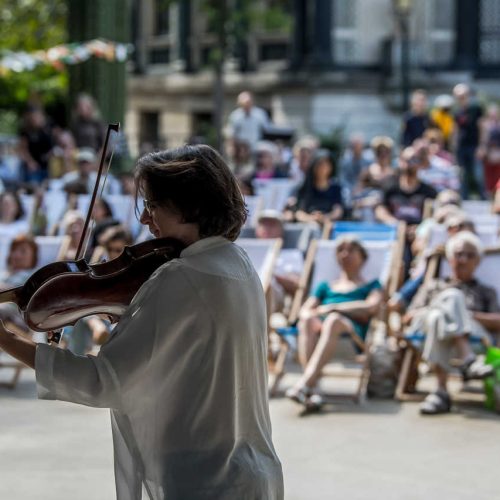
x=380 y=450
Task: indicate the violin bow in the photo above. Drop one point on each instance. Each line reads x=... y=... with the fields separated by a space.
x=84 y=236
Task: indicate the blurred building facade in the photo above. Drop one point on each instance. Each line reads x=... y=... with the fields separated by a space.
x=337 y=65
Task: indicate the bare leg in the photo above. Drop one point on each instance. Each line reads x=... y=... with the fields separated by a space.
x=309 y=329
x=333 y=326
x=442 y=377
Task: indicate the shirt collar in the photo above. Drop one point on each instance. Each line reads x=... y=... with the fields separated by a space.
x=203 y=245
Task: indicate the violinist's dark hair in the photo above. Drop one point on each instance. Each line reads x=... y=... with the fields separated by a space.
x=196 y=181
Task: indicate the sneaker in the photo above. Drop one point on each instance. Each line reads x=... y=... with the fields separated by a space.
x=436 y=403
x=476 y=369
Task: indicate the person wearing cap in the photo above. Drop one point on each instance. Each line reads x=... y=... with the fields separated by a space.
x=442 y=117
x=82 y=180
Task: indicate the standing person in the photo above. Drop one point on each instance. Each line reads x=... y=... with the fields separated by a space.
x=489 y=150
x=35 y=145
x=442 y=118
x=467 y=118
x=184 y=371
x=247 y=121
x=86 y=126
x=354 y=161
x=416 y=120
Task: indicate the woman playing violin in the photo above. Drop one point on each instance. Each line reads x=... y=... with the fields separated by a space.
x=184 y=370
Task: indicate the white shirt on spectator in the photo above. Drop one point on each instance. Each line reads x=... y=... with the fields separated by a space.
x=248 y=127
x=187 y=391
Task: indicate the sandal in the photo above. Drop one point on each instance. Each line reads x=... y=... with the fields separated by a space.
x=476 y=369
x=300 y=396
x=314 y=403
x=436 y=403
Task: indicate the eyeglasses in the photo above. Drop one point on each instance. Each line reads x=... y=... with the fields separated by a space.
x=148 y=206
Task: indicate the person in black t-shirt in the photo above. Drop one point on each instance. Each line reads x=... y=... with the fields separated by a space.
x=404 y=200
x=416 y=120
x=467 y=119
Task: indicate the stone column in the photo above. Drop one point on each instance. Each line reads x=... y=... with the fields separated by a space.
x=467 y=35
x=300 y=34
x=184 y=34
x=321 y=39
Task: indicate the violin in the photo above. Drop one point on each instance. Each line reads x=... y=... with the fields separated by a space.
x=61 y=293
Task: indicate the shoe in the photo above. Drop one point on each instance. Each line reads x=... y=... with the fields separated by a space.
x=300 y=396
x=476 y=369
x=314 y=403
x=436 y=403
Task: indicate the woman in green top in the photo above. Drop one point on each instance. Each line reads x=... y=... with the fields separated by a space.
x=343 y=306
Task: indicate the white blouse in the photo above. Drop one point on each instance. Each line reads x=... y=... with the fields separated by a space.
x=185 y=376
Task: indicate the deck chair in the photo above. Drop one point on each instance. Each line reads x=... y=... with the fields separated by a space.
x=438 y=267
x=296 y=235
x=254 y=206
x=55 y=204
x=50 y=248
x=274 y=192
x=321 y=265
x=263 y=255
x=438 y=236
x=365 y=231
x=477 y=207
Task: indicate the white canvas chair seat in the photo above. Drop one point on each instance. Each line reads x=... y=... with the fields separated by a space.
x=263 y=255
x=274 y=192
x=55 y=204
x=254 y=206
x=477 y=207
x=28 y=204
x=438 y=236
x=122 y=206
x=49 y=248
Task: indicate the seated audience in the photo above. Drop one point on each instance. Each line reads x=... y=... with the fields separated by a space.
x=435 y=171
x=12 y=216
x=267 y=161
x=72 y=225
x=404 y=200
x=113 y=240
x=381 y=170
x=365 y=198
x=353 y=163
x=103 y=218
x=21 y=264
x=319 y=199
x=344 y=306
x=303 y=153
x=448 y=311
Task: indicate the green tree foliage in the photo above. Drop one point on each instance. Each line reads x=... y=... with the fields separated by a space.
x=29 y=25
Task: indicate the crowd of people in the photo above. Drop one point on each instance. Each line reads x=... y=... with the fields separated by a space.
x=446 y=152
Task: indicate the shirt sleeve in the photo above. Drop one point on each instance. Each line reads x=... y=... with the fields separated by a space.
x=320 y=291
x=100 y=381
